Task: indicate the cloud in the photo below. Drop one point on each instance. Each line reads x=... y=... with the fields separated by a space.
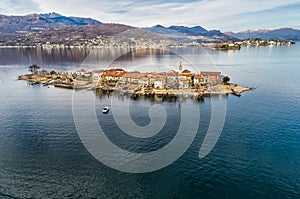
x=19 y=7
x=212 y=14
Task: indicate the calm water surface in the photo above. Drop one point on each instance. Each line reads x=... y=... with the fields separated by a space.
x=257 y=155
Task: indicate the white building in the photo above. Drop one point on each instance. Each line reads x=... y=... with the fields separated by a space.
x=81 y=72
x=159 y=82
x=143 y=81
x=198 y=79
x=96 y=76
x=183 y=83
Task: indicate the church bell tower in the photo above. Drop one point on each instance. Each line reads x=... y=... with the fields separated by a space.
x=180 y=68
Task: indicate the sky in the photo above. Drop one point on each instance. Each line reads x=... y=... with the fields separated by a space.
x=224 y=15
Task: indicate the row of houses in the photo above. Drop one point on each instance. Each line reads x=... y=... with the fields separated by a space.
x=171 y=79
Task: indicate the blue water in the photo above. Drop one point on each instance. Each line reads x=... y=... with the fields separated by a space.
x=257 y=155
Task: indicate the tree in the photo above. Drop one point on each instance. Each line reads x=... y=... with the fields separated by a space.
x=192 y=81
x=225 y=80
x=53 y=73
x=33 y=68
x=44 y=72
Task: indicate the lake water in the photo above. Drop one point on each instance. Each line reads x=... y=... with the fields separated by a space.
x=256 y=156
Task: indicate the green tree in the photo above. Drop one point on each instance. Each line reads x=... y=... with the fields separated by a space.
x=225 y=80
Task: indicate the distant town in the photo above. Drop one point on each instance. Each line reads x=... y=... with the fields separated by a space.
x=134 y=38
x=135 y=83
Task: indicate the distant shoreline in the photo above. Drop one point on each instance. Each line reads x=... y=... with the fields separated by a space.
x=221 y=46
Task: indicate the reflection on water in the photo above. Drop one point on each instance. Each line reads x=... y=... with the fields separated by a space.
x=61 y=55
x=105 y=94
x=102 y=58
x=42 y=56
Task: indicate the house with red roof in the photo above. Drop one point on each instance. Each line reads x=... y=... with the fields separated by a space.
x=159 y=81
x=198 y=79
x=211 y=77
x=113 y=75
x=143 y=81
x=184 y=83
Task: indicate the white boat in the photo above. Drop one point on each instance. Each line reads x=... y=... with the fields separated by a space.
x=105 y=110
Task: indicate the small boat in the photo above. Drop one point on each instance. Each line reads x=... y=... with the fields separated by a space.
x=105 y=110
x=45 y=84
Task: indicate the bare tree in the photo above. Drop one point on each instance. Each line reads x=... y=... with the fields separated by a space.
x=33 y=68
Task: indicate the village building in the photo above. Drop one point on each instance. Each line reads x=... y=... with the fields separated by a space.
x=198 y=79
x=132 y=88
x=211 y=77
x=188 y=76
x=144 y=81
x=183 y=83
x=151 y=77
x=186 y=72
x=181 y=79
x=159 y=82
x=84 y=75
x=113 y=74
x=172 y=75
x=96 y=76
x=81 y=72
x=131 y=77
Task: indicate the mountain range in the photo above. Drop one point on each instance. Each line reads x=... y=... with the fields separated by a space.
x=276 y=34
x=196 y=33
x=37 y=22
x=184 y=31
x=54 y=27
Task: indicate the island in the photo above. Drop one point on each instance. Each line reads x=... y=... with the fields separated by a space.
x=134 y=83
x=262 y=42
x=225 y=46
